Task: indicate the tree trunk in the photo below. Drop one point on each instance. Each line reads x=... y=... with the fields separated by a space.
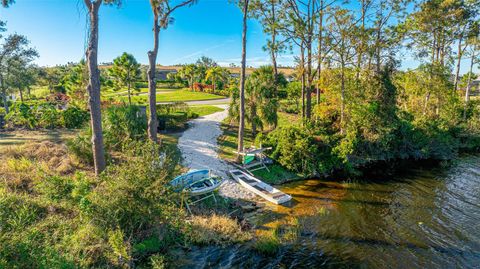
x=241 y=125
x=459 y=61
x=152 y=87
x=362 y=41
x=342 y=99
x=129 y=86
x=253 y=115
x=21 y=94
x=273 y=49
x=467 y=91
x=302 y=66
x=93 y=88
x=320 y=48
x=308 y=112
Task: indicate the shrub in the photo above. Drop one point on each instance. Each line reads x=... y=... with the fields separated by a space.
x=21 y=115
x=47 y=115
x=54 y=187
x=74 y=117
x=81 y=147
x=134 y=195
x=122 y=124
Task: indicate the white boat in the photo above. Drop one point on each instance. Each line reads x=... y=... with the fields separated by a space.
x=260 y=188
x=197 y=182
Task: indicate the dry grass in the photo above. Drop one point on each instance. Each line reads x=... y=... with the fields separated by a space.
x=216 y=229
x=21 y=166
x=54 y=156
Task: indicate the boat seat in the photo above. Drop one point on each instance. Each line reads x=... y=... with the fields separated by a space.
x=237 y=173
x=260 y=189
x=278 y=195
x=246 y=179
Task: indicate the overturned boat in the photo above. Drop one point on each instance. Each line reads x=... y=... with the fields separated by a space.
x=197 y=182
x=260 y=188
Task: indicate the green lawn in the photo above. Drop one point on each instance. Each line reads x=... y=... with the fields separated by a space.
x=123 y=91
x=175 y=96
x=228 y=145
x=205 y=110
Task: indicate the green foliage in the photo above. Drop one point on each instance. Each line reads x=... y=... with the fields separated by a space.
x=21 y=115
x=54 y=187
x=74 y=117
x=80 y=221
x=122 y=124
x=81 y=147
x=33 y=115
x=48 y=116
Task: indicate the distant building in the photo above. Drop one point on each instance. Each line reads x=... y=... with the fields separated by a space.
x=162 y=72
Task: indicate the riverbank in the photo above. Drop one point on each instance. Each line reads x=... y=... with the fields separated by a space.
x=423 y=218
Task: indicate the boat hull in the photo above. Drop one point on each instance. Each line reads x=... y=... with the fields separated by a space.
x=260 y=188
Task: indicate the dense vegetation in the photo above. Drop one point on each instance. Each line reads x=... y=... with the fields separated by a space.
x=57 y=214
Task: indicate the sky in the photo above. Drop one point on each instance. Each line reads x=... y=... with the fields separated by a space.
x=213 y=28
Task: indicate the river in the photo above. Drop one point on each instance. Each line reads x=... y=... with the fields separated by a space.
x=425 y=218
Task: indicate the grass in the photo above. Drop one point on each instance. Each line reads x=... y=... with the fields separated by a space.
x=124 y=92
x=216 y=229
x=20 y=137
x=177 y=95
x=205 y=110
x=228 y=145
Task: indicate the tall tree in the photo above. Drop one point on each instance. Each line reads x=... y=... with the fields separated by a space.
x=342 y=38
x=93 y=88
x=162 y=11
x=15 y=50
x=474 y=52
x=268 y=12
x=299 y=26
x=241 y=125
x=126 y=71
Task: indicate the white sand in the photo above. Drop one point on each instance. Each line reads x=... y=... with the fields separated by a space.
x=198 y=145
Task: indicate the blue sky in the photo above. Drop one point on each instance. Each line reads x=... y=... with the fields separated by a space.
x=211 y=28
x=57 y=28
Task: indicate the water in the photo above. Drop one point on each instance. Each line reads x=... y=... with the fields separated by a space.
x=424 y=219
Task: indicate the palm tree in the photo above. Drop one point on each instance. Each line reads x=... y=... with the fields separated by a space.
x=262 y=105
x=214 y=74
x=241 y=125
x=189 y=72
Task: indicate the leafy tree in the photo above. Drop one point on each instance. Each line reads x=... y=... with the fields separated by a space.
x=14 y=53
x=75 y=82
x=342 y=39
x=126 y=70
x=268 y=12
x=162 y=11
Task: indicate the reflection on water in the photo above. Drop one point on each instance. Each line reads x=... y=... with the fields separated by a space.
x=429 y=219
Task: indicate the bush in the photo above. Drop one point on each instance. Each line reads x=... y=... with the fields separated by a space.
x=21 y=115
x=47 y=115
x=122 y=124
x=74 y=117
x=81 y=147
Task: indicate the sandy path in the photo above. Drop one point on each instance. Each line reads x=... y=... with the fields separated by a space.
x=198 y=145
